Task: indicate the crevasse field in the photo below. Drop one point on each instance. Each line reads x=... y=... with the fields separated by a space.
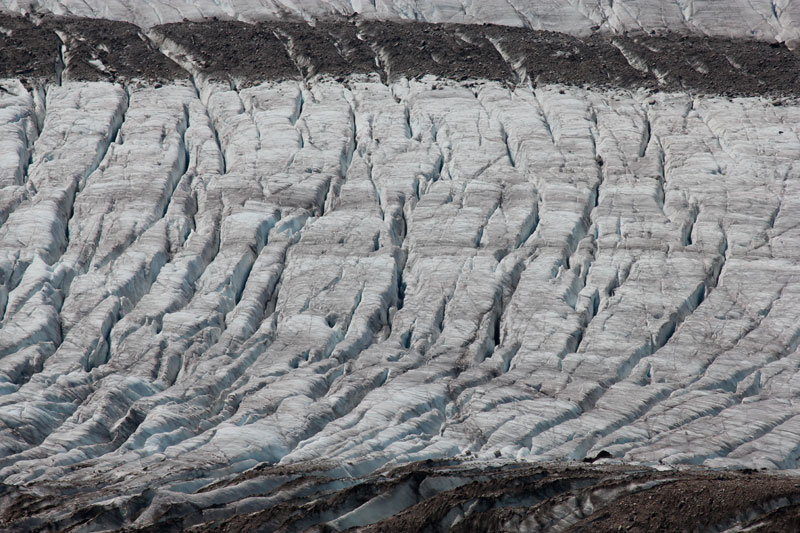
x=291 y=266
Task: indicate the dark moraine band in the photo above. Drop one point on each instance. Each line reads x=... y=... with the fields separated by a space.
x=246 y=54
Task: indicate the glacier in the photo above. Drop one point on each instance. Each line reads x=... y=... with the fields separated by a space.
x=251 y=275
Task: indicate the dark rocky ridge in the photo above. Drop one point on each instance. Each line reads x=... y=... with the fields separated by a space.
x=124 y=51
x=228 y=50
x=332 y=48
x=250 y=53
x=27 y=50
x=716 y=65
x=485 y=497
x=63 y=47
x=456 y=52
x=551 y=57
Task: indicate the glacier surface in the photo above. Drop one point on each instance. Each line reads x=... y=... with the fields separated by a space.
x=202 y=276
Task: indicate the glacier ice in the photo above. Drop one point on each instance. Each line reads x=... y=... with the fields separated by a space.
x=202 y=278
